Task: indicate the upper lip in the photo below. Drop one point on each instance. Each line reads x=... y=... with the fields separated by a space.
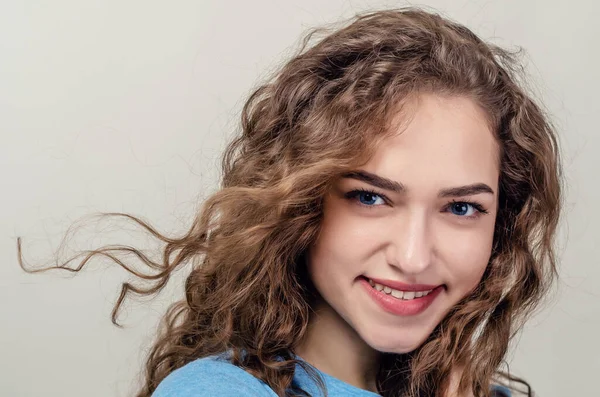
x=397 y=285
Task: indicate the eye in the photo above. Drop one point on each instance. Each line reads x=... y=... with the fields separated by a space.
x=462 y=209
x=366 y=198
x=466 y=209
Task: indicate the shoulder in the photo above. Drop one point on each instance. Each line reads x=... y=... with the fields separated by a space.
x=500 y=391
x=211 y=376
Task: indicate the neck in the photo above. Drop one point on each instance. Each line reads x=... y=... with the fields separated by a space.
x=332 y=346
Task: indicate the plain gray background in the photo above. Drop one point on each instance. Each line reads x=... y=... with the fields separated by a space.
x=116 y=105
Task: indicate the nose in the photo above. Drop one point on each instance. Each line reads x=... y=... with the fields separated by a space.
x=411 y=248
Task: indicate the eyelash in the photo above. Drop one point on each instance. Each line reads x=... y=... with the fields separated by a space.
x=352 y=195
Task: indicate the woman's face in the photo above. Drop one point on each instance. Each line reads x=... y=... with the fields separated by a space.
x=409 y=234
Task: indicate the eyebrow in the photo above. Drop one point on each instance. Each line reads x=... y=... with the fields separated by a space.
x=388 y=184
x=375 y=180
x=467 y=190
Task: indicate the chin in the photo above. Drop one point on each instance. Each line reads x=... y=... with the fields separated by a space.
x=395 y=341
x=397 y=347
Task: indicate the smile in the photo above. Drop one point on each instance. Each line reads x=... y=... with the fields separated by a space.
x=398 y=294
x=401 y=299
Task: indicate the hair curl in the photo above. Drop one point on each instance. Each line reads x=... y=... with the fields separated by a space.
x=321 y=115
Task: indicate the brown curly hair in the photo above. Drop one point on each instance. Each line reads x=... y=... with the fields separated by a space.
x=322 y=114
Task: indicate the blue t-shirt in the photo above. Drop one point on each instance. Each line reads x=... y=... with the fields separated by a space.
x=216 y=376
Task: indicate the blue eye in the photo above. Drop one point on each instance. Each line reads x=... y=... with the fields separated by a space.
x=369 y=198
x=463 y=209
x=366 y=198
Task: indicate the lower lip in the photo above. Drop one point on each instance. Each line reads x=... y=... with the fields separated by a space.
x=401 y=307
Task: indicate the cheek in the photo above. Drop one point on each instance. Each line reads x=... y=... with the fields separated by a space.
x=343 y=247
x=332 y=258
x=329 y=255
x=342 y=242
x=467 y=257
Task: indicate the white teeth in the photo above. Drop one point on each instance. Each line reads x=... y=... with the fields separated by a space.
x=405 y=295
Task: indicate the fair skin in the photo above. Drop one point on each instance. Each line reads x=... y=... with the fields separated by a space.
x=427 y=223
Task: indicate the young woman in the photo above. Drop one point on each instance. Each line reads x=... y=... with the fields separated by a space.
x=384 y=226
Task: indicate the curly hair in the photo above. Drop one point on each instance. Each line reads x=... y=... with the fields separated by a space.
x=323 y=114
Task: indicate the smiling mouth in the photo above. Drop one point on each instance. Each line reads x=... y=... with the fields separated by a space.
x=401 y=291
x=404 y=295
x=399 y=298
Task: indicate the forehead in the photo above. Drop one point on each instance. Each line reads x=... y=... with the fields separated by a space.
x=439 y=141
